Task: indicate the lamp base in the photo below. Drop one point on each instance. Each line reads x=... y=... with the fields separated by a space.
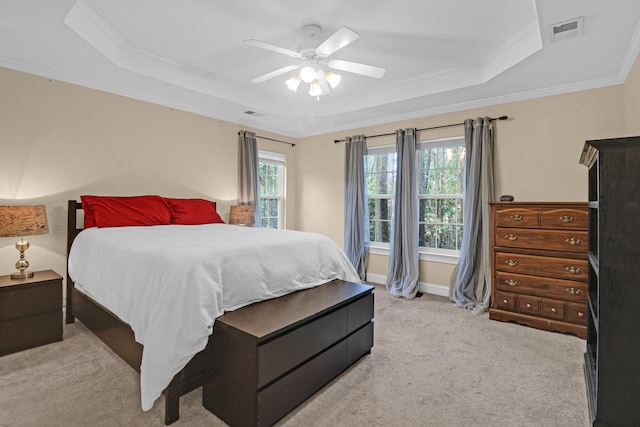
x=22 y=275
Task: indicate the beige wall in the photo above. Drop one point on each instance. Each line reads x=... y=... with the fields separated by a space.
x=537 y=154
x=60 y=141
x=632 y=101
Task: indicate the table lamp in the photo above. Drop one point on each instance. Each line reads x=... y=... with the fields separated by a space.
x=242 y=215
x=23 y=220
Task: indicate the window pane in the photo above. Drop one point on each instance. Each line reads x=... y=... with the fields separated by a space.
x=271 y=193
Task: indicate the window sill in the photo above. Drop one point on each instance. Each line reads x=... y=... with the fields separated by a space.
x=444 y=258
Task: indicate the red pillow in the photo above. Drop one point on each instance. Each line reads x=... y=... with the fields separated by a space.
x=126 y=211
x=193 y=212
x=89 y=217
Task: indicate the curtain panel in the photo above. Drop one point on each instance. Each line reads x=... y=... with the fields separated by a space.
x=402 y=277
x=471 y=278
x=356 y=213
x=248 y=189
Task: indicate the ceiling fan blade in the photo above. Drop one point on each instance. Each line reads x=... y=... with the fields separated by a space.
x=275 y=73
x=342 y=37
x=357 y=68
x=263 y=45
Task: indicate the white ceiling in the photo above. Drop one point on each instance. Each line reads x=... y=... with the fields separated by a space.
x=440 y=55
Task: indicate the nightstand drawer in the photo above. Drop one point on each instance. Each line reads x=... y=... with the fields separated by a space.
x=28 y=332
x=30 y=299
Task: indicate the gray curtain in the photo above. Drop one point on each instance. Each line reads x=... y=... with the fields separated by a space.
x=248 y=189
x=356 y=215
x=471 y=278
x=402 y=278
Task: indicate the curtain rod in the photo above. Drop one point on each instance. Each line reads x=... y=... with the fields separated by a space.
x=275 y=140
x=491 y=119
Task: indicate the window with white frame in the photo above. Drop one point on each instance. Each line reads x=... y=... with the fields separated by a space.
x=440 y=178
x=271 y=167
x=440 y=166
x=380 y=177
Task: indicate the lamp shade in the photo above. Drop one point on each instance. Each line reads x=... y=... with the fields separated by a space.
x=23 y=220
x=242 y=215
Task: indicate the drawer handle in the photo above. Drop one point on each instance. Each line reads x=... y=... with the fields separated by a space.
x=517 y=217
x=580 y=314
x=512 y=282
x=573 y=269
x=511 y=263
x=573 y=291
x=567 y=219
x=553 y=309
x=573 y=242
x=506 y=301
x=512 y=237
x=528 y=305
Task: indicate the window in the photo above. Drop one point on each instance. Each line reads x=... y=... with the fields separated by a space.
x=271 y=181
x=380 y=176
x=440 y=177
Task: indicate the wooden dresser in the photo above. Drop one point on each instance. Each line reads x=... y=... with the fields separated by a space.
x=539 y=265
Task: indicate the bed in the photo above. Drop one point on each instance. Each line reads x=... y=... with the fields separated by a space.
x=195 y=351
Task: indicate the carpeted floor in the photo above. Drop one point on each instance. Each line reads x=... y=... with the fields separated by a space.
x=431 y=365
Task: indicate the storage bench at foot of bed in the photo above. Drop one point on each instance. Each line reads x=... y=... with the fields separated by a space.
x=266 y=360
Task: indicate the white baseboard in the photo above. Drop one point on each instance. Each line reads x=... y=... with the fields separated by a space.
x=425 y=288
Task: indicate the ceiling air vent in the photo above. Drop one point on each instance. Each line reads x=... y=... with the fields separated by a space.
x=565 y=30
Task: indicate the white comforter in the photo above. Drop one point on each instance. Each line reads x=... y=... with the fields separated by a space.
x=170 y=282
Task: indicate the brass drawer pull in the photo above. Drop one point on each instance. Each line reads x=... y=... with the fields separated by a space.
x=573 y=269
x=528 y=305
x=573 y=242
x=580 y=314
x=567 y=219
x=506 y=301
x=511 y=263
x=553 y=309
x=512 y=237
x=573 y=291
x=512 y=282
x=517 y=217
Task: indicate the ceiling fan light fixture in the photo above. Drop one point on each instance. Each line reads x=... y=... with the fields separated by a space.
x=314 y=88
x=308 y=74
x=293 y=83
x=332 y=78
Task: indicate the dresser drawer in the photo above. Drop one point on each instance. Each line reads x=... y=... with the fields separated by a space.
x=517 y=217
x=528 y=304
x=30 y=299
x=278 y=356
x=576 y=313
x=542 y=286
x=552 y=308
x=558 y=240
x=565 y=218
x=564 y=268
x=505 y=301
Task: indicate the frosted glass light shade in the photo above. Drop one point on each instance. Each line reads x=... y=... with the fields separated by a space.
x=308 y=74
x=293 y=83
x=314 y=88
x=332 y=78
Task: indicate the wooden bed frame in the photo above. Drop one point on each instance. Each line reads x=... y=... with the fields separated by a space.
x=305 y=316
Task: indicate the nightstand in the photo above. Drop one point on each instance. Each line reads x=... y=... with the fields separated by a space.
x=30 y=311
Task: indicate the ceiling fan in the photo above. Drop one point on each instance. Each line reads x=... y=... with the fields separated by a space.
x=313 y=56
